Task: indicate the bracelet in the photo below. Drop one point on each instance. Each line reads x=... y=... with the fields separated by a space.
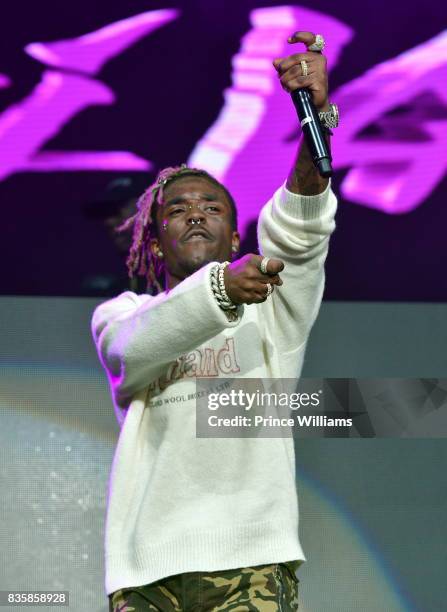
x=330 y=118
x=218 y=288
x=230 y=305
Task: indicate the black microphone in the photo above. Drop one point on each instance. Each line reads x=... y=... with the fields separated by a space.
x=313 y=132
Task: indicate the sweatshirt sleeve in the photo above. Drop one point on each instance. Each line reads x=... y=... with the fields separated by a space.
x=296 y=229
x=137 y=336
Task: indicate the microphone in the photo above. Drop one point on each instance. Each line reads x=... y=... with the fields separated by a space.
x=313 y=132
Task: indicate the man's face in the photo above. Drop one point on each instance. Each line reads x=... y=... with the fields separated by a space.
x=122 y=240
x=197 y=216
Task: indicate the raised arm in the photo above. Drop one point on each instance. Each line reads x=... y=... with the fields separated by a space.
x=304 y=178
x=296 y=224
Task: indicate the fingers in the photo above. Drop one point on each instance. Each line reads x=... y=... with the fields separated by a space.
x=264 y=294
x=273 y=267
x=310 y=82
x=294 y=79
x=273 y=280
x=290 y=82
x=290 y=73
x=246 y=284
x=308 y=38
x=282 y=64
x=261 y=280
x=261 y=293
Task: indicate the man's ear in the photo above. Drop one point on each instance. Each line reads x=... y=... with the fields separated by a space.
x=155 y=248
x=235 y=242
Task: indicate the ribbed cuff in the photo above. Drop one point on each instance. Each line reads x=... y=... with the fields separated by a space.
x=224 y=548
x=303 y=206
x=199 y=296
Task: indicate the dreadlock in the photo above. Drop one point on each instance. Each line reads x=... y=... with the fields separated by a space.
x=141 y=261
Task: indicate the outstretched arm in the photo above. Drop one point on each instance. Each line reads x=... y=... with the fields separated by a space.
x=304 y=177
x=295 y=226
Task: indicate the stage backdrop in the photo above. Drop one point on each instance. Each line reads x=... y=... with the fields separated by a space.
x=91 y=92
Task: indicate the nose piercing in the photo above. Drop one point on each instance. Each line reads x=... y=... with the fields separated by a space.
x=194 y=221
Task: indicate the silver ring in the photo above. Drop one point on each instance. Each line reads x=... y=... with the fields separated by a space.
x=269 y=290
x=318 y=45
x=304 y=68
x=264 y=263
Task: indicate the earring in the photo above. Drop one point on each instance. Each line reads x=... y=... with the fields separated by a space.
x=234 y=249
x=165 y=226
x=159 y=254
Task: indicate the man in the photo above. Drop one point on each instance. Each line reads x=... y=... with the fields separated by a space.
x=196 y=523
x=114 y=205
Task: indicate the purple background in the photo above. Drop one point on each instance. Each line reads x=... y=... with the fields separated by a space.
x=169 y=88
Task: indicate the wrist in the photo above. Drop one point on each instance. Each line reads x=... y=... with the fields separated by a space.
x=231 y=291
x=325 y=107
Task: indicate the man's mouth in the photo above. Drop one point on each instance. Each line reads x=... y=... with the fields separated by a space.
x=197 y=235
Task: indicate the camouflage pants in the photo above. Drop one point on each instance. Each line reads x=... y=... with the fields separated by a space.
x=264 y=588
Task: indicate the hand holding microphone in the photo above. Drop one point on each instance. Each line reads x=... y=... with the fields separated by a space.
x=304 y=76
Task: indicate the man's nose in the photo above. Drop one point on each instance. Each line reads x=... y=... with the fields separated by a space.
x=195 y=215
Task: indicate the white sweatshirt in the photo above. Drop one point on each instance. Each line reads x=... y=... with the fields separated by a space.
x=178 y=503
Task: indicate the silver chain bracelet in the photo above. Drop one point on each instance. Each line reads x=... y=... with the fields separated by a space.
x=218 y=288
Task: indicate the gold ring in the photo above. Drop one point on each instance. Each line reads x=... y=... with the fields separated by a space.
x=304 y=68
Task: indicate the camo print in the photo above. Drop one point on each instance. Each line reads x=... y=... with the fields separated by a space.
x=264 y=588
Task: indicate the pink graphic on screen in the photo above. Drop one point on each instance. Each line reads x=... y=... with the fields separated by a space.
x=25 y=127
x=396 y=169
x=252 y=143
x=5 y=81
x=392 y=166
